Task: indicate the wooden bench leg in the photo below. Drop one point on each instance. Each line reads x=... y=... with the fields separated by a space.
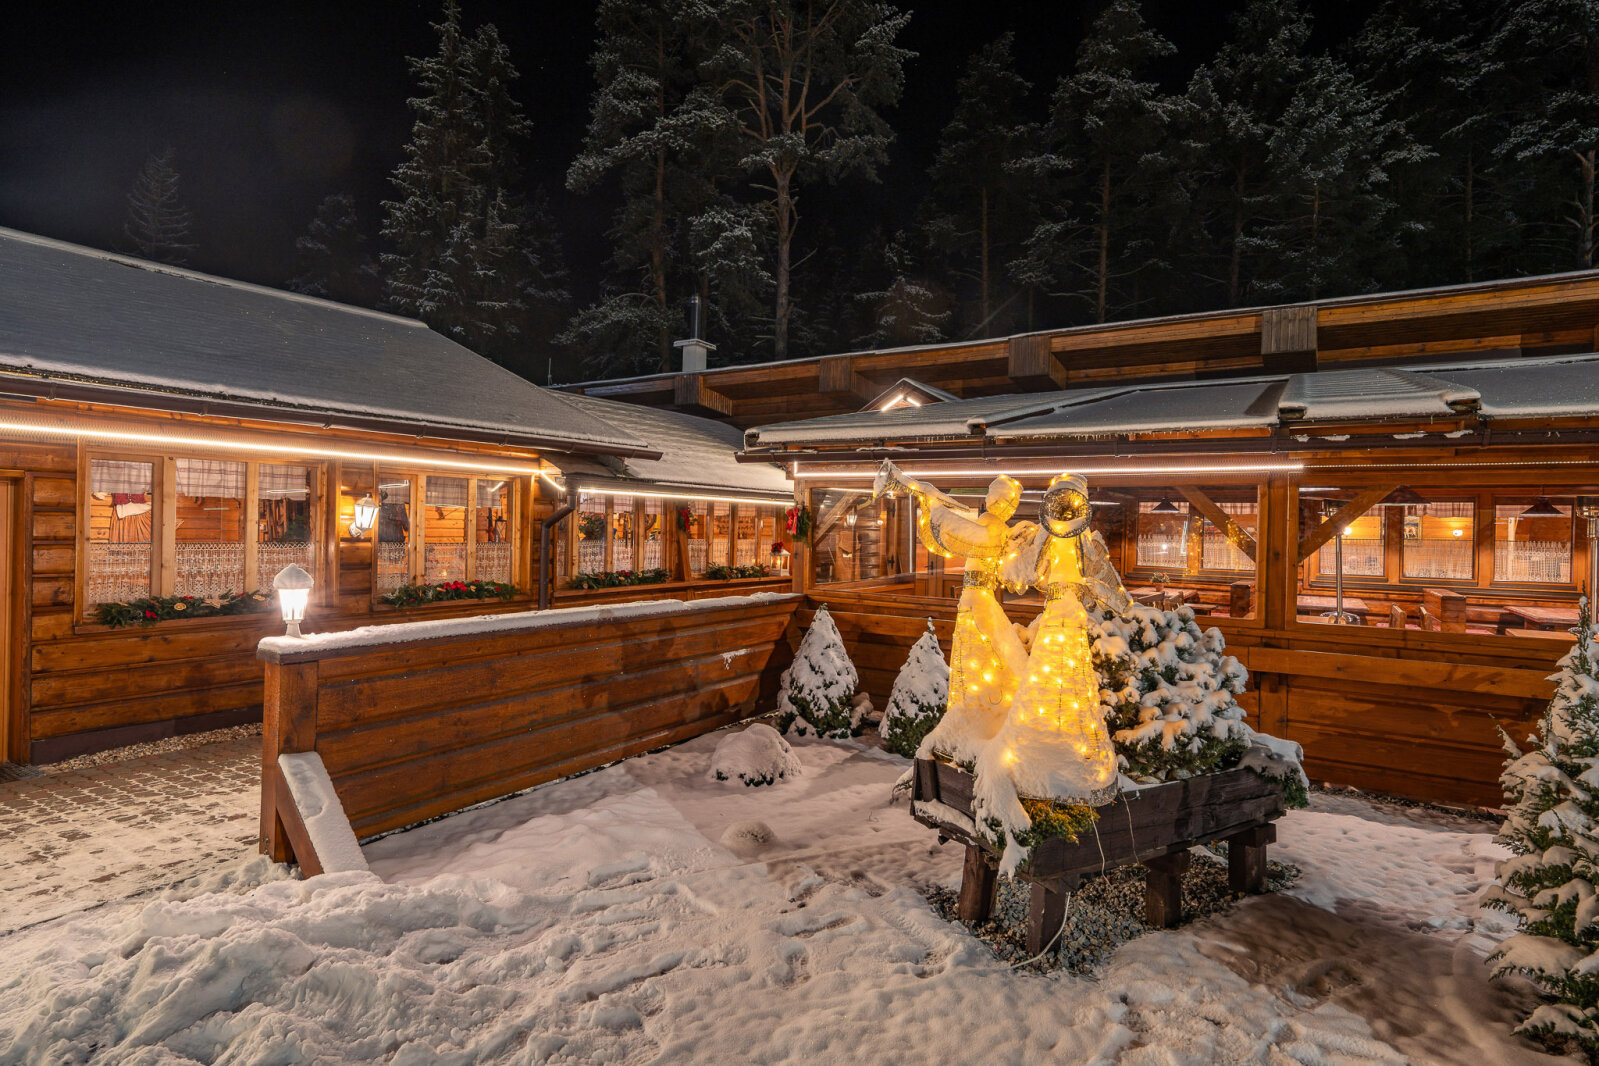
x=979 y=881
x=1246 y=859
x=1046 y=913
x=1163 y=890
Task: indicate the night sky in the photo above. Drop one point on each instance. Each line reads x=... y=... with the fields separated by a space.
x=268 y=108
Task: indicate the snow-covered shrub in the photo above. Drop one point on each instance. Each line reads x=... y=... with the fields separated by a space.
x=757 y=756
x=1168 y=693
x=1552 y=882
x=817 y=692
x=919 y=696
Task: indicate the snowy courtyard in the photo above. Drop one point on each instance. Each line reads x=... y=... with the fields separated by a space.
x=637 y=915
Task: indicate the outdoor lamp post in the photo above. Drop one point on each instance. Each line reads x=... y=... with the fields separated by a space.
x=366 y=516
x=1588 y=509
x=294 y=592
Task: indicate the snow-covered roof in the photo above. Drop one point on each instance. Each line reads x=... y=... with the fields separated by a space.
x=75 y=313
x=697 y=454
x=1548 y=386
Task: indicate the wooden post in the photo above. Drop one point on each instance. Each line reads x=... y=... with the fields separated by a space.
x=1449 y=607
x=1240 y=599
x=1045 y=914
x=1246 y=859
x=1163 y=890
x=288 y=725
x=979 y=882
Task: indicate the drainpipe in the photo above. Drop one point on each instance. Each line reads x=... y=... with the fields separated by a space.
x=546 y=576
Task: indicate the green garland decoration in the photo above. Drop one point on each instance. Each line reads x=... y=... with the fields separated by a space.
x=444 y=591
x=611 y=579
x=729 y=573
x=148 y=610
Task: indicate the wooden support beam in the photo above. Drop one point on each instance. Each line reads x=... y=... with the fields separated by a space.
x=1031 y=363
x=1163 y=890
x=693 y=395
x=979 y=882
x=1220 y=519
x=1045 y=914
x=1246 y=859
x=833 y=374
x=288 y=725
x=1364 y=501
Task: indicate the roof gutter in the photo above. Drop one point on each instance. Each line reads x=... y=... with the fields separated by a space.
x=19 y=385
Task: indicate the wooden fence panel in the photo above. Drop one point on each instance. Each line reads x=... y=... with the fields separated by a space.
x=410 y=729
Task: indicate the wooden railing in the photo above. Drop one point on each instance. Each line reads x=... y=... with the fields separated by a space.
x=418 y=719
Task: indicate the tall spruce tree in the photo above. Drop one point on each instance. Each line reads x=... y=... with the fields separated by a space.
x=1550 y=51
x=1336 y=222
x=1463 y=204
x=468 y=256
x=979 y=207
x=158 y=227
x=652 y=128
x=331 y=258
x=1236 y=101
x=804 y=84
x=1106 y=147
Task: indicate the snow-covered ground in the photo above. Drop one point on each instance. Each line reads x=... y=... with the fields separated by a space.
x=636 y=915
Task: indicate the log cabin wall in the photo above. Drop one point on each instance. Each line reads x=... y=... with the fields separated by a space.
x=409 y=731
x=77 y=686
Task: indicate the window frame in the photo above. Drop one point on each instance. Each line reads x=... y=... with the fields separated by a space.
x=416 y=544
x=163 y=511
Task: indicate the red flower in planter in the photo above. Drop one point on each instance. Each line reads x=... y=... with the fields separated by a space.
x=150 y=615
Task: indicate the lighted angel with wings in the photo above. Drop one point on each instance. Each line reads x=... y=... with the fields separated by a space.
x=987 y=657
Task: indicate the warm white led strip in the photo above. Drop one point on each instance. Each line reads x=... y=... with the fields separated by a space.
x=1075 y=468
x=231 y=444
x=650 y=492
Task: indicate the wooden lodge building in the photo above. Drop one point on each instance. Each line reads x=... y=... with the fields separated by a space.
x=1420 y=462
x=169 y=441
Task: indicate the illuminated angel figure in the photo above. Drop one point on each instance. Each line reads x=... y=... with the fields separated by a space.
x=986 y=657
x=1053 y=744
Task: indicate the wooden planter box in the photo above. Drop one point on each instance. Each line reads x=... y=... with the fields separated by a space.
x=1155 y=825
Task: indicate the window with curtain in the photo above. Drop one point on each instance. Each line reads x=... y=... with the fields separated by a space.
x=1534 y=549
x=392 y=556
x=590 y=534
x=697 y=535
x=721 y=532
x=744 y=536
x=120 y=531
x=1439 y=540
x=1364 y=555
x=622 y=534
x=1162 y=535
x=493 y=523
x=444 y=530
x=654 y=542
x=209 y=550
x=283 y=519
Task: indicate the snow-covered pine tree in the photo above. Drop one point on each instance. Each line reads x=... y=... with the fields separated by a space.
x=1552 y=882
x=332 y=259
x=906 y=311
x=1168 y=693
x=465 y=245
x=158 y=225
x=1550 y=49
x=654 y=129
x=1464 y=204
x=817 y=692
x=919 y=696
x=980 y=205
x=1107 y=146
x=804 y=83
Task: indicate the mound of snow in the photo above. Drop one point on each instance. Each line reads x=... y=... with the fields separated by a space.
x=757 y=756
x=746 y=838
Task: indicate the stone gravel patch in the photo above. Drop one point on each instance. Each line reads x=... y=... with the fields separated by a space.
x=1104 y=913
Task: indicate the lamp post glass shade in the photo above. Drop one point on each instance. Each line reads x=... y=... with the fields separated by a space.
x=849 y=518
x=293 y=586
x=366 y=515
